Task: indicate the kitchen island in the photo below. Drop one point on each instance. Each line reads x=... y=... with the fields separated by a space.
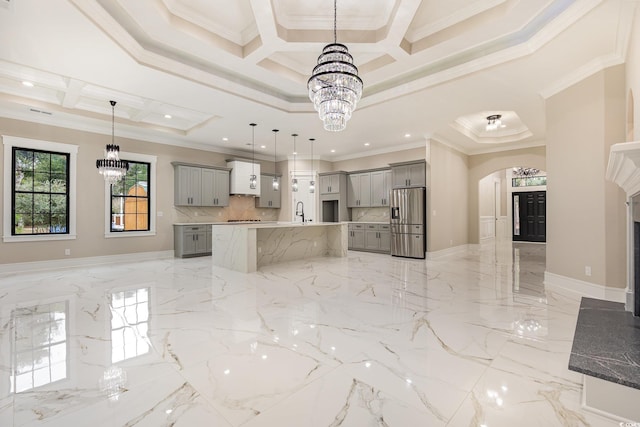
x=247 y=247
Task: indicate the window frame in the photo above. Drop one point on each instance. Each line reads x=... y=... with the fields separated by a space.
x=151 y=194
x=11 y=142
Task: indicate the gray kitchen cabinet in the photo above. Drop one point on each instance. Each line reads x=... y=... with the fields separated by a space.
x=200 y=186
x=215 y=187
x=191 y=240
x=269 y=198
x=187 y=185
x=380 y=188
x=370 y=237
x=359 y=190
x=409 y=174
x=356 y=236
x=330 y=184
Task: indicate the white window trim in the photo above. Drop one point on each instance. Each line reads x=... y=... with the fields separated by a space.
x=134 y=157
x=13 y=141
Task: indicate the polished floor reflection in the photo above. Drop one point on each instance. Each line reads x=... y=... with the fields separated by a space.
x=471 y=339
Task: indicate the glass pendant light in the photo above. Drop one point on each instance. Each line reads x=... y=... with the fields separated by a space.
x=276 y=181
x=294 y=181
x=312 y=183
x=253 y=180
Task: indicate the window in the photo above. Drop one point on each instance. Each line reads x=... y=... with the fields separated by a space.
x=39 y=190
x=130 y=204
x=529 y=181
x=130 y=200
x=40 y=201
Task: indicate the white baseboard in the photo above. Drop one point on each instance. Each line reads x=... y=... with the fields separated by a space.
x=449 y=251
x=21 y=267
x=574 y=287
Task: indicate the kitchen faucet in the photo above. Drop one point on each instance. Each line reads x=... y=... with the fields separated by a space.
x=300 y=212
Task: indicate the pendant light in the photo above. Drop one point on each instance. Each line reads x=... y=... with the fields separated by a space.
x=253 y=180
x=334 y=86
x=312 y=183
x=111 y=167
x=276 y=181
x=294 y=181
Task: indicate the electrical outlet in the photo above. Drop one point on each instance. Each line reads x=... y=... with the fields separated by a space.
x=259 y=250
x=160 y=213
x=587 y=270
x=67 y=252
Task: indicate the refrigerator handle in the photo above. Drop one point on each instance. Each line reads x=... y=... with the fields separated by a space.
x=395 y=213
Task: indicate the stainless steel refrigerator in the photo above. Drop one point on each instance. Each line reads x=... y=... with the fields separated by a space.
x=408 y=222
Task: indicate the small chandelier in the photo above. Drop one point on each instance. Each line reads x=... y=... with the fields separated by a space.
x=294 y=181
x=253 y=180
x=493 y=122
x=334 y=86
x=111 y=167
x=276 y=182
x=312 y=183
x=525 y=172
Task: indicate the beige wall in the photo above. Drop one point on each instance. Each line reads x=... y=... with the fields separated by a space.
x=481 y=165
x=447 y=203
x=585 y=213
x=90 y=196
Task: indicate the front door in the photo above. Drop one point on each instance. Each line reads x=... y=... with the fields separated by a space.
x=529 y=216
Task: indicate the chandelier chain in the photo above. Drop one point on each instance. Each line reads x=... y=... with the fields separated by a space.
x=335 y=21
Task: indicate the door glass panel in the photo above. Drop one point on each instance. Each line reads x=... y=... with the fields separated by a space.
x=516 y=215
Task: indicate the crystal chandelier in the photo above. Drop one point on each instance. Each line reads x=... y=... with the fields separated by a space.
x=294 y=181
x=275 y=182
x=334 y=86
x=312 y=183
x=525 y=172
x=253 y=180
x=111 y=167
x=493 y=122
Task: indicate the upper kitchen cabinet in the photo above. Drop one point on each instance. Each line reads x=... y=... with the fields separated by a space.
x=409 y=174
x=359 y=190
x=269 y=198
x=215 y=187
x=380 y=188
x=187 y=185
x=196 y=185
x=330 y=182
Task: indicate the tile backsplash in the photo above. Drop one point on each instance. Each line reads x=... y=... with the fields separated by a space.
x=370 y=214
x=240 y=208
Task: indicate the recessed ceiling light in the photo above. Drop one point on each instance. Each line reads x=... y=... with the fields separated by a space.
x=263 y=146
x=295 y=153
x=167 y=116
x=225 y=139
x=407 y=135
x=366 y=144
x=27 y=83
x=333 y=151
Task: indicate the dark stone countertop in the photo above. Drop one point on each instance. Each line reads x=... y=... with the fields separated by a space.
x=606 y=343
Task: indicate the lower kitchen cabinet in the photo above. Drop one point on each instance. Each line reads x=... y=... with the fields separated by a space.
x=191 y=240
x=369 y=237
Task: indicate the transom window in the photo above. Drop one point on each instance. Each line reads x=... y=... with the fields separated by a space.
x=40 y=202
x=130 y=200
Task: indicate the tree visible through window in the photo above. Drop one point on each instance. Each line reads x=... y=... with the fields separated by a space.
x=130 y=201
x=40 y=202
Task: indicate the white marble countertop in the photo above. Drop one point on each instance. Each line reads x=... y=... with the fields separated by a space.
x=280 y=224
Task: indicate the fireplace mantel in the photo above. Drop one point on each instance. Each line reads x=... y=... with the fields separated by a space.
x=624 y=166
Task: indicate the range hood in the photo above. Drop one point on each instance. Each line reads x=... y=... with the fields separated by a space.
x=240 y=173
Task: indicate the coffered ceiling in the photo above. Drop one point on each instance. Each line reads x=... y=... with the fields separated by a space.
x=431 y=68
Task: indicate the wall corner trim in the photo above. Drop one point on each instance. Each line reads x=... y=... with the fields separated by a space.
x=568 y=285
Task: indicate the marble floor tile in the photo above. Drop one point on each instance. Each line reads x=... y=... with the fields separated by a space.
x=469 y=339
